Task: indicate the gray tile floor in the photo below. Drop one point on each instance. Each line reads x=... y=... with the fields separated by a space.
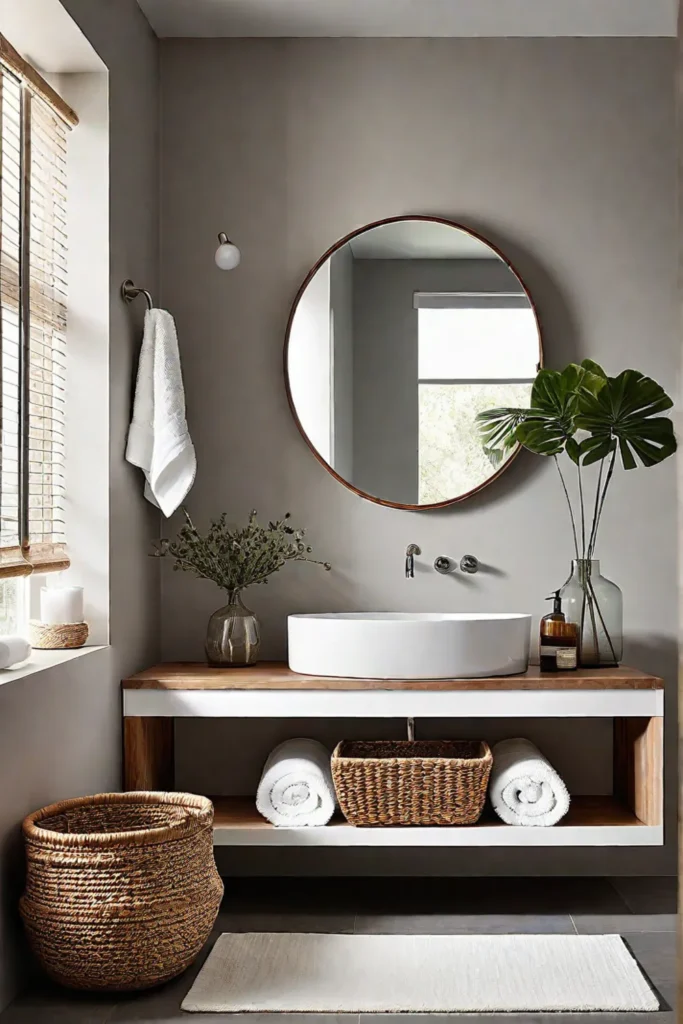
x=643 y=910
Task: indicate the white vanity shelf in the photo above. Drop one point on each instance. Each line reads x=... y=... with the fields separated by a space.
x=632 y=816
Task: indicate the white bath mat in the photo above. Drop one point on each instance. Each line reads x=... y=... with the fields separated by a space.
x=296 y=973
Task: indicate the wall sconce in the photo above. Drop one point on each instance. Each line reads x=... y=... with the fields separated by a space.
x=228 y=255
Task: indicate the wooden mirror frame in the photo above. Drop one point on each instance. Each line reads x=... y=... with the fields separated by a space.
x=311 y=274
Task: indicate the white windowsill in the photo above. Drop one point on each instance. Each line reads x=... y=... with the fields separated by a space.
x=42 y=661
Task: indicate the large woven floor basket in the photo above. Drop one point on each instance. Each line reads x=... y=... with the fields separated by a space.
x=122 y=889
x=411 y=782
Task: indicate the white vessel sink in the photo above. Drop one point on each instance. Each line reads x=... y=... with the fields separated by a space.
x=398 y=645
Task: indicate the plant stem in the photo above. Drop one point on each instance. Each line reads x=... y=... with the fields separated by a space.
x=591 y=540
x=594 y=626
x=569 y=505
x=582 y=621
x=583 y=512
x=604 y=626
x=587 y=603
x=191 y=567
x=610 y=471
x=217 y=568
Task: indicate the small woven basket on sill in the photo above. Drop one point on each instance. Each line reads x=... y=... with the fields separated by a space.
x=65 y=636
x=122 y=889
x=411 y=782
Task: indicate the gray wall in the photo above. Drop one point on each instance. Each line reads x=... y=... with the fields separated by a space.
x=562 y=152
x=60 y=730
x=123 y=38
x=125 y=42
x=385 y=363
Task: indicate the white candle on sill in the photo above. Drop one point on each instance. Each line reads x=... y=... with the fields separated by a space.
x=60 y=605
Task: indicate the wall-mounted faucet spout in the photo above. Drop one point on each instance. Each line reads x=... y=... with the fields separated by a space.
x=411 y=551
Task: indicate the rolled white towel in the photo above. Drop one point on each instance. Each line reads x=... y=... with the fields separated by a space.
x=296 y=785
x=525 y=789
x=13 y=649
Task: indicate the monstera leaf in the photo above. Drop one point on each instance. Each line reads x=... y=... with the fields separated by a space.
x=498 y=430
x=548 y=426
x=591 y=417
x=624 y=412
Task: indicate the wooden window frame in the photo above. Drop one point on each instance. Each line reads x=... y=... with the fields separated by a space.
x=13 y=60
x=40 y=557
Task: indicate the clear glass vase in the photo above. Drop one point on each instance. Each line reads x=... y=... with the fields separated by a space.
x=233 y=635
x=595 y=604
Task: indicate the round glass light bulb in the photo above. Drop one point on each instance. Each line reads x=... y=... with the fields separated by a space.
x=228 y=256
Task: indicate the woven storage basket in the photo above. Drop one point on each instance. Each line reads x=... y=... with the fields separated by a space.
x=122 y=889
x=411 y=782
x=62 y=637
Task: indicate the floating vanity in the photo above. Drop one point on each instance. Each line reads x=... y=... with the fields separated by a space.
x=632 y=816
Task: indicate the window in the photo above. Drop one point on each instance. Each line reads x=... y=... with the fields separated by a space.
x=475 y=352
x=35 y=123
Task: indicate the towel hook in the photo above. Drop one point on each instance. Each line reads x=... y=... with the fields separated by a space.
x=129 y=292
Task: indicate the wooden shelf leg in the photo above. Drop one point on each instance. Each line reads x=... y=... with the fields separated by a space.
x=148 y=754
x=639 y=766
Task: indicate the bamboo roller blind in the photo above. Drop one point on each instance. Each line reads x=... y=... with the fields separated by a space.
x=33 y=266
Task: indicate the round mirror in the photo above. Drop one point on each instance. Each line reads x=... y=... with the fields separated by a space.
x=400 y=335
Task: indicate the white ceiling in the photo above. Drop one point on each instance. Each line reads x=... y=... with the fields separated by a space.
x=210 y=18
x=418 y=240
x=43 y=33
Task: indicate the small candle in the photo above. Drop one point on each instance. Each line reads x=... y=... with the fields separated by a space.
x=60 y=605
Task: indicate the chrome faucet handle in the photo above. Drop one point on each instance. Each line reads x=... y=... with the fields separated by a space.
x=469 y=564
x=411 y=551
x=444 y=564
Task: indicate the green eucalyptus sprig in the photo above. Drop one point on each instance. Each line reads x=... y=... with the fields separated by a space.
x=236 y=557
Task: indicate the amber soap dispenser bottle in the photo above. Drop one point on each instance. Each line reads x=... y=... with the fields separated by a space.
x=559 y=640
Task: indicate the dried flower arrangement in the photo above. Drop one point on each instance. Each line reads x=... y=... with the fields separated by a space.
x=234 y=557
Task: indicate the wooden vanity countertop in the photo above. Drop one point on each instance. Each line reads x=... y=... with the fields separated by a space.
x=276 y=675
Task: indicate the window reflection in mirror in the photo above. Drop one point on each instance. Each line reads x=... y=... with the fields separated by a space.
x=476 y=351
x=400 y=337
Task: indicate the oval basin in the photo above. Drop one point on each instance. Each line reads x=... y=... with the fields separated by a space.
x=406 y=645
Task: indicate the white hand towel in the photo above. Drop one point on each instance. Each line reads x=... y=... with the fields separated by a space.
x=525 y=789
x=296 y=785
x=158 y=438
